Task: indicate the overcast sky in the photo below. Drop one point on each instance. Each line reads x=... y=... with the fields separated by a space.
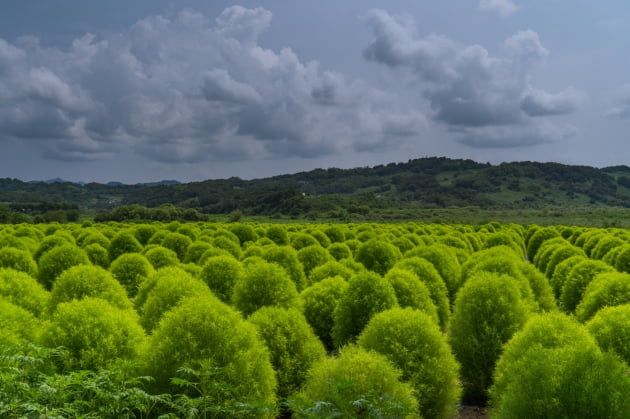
x=144 y=90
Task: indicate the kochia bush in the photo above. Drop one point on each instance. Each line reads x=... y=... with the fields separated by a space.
x=94 y=332
x=130 y=269
x=178 y=243
x=488 y=310
x=578 y=279
x=377 y=256
x=312 y=257
x=161 y=257
x=23 y=290
x=319 y=302
x=292 y=344
x=358 y=383
x=607 y=289
x=220 y=273
x=20 y=260
x=411 y=292
x=57 y=260
x=414 y=343
x=445 y=261
x=611 y=328
x=203 y=333
x=18 y=324
x=123 y=242
x=366 y=295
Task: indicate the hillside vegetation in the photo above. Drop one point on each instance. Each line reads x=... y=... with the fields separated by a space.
x=393 y=191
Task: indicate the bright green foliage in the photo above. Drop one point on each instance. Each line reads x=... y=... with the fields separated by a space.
x=130 y=269
x=593 y=240
x=578 y=279
x=328 y=270
x=335 y=234
x=604 y=245
x=178 y=243
x=319 y=302
x=312 y=257
x=220 y=273
x=622 y=263
x=264 y=284
x=549 y=330
x=606 y=289
x=504 y=239
x=143 y=233
x=57 y=260
x=205 y=334
x=611 y=328
x=301 y=240
x=543 y=293
x=94 y=332
x=244 y=232
x=358 y=383
x=411 y=292
x=559 y=255
x=123 y=242
x=167 y=287
x=445 y=262
x=538 y=238
x=20 y=260
x=48 y=243
x=161 y=257
x=488 y=310
x=321 y=238
x=23 y=290
x=18 y=324
x=377 y=256
x=427 y=273
x=278 y=234
x=157 y=237
x=565 y=382
x=339 y=251
x=366 y=295
x=88 y=281
x=231 y=246
x=414 y=343
x=195 y=251
x=94 y=237
x=562 y=272
x=97 y=254
x=292 y=344
x=546 y=250
x=287 y=257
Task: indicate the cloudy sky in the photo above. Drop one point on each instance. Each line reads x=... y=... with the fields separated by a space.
x=145 y=90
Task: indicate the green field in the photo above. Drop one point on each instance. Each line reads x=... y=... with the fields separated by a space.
x=522 y=314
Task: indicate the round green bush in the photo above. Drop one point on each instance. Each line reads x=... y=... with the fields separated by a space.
x=546 y=250
x=541 y=288
x=377 y=256
x=319 y=302
x=559 y=255
x=427 y=273
x=548 y=330
x=94 y=237
x=20 y=260
x=123 y=242
x=48 y=243
x=562 y=272
x=130 y=269
x=622 y=263
x=230 y=246
x=18 y=324
x=94 y=333
x=244 y=232
x=538 y=238
x=163 y=290
x=445 y=262
x=278 y=235
x=611 y=328
x=88 y=281
x=312 y=257
x=488 y=310
x=414 y=343
x=366 y=295
x=565 y=382
x=578 y=279
x=220 y=273
x=339 y=251
x=411 y=292
x=504 y=238
x=328 y=270
x=161 y=257
x=301 y=240
x=606 y=289
x=20 y=289
x=232 y=364
x=195 y=251
x=292 y=344
x=335 y=234
x=144 y=232
x=287 y=257
x=358 y=383
x=178 y=243
x=55 y=261
x=593 y=240
x=604 y=245
x=97 y=254
x=264 y=284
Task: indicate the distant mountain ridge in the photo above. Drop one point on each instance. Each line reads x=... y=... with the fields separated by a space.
x=433 y=182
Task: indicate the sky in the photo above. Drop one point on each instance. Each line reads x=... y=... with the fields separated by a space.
x=145 y=90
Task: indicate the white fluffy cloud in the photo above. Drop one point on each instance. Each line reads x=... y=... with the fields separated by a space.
x=189 y=90
x=473 y=92
x=621 y=106
x=502 y=7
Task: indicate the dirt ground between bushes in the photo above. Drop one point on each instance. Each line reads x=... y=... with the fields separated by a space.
x=473 y=412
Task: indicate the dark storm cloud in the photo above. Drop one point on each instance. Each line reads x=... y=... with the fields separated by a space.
x=188 y=89
x=467 y=87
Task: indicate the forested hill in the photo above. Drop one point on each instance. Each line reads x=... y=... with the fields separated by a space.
x=335 y=193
